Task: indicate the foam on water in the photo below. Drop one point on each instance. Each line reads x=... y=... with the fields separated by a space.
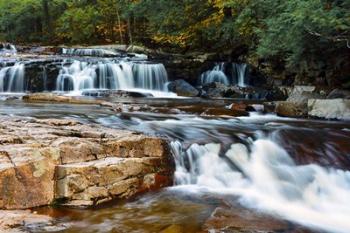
x=12 y=78
x=268 y=179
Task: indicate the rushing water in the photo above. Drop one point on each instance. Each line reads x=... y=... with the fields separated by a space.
x=287 y=170
x=7 y=49
x=12 y=78
x=76 y=76
x=93 y=52
x=226 y=73
x=245 y=160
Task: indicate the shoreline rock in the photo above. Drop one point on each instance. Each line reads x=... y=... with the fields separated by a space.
x=44 y=162
x=338 y=109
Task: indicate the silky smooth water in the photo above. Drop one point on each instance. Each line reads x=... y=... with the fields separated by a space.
x=244 y=160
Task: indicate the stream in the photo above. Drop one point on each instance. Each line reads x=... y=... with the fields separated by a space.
x=280 y=168
x=257 y=173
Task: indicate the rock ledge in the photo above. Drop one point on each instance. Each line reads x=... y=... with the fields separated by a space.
x=52 y=161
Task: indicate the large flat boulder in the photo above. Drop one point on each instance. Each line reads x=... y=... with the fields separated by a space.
x=329 y=108
x=66 y=162
x=296 y=104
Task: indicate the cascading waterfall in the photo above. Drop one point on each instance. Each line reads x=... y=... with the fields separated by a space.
x=220 y=72
x=150 y=76
x=110 y=75
x=12 y=78
x=217 y=74
x=7 y=49
x=266 y=178
x=239 y=71
x=98 y=52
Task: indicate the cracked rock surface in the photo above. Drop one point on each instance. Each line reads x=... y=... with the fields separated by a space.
x=65 y=162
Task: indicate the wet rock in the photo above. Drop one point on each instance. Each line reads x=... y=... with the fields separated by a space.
x=66 y=162
x=119 y=107
x=269 y=107
x=239 y=219
x=277 y=94
x=290 y=109
x=98 y=181
x=174 y=229
x=243 y=107
x=224 y=112
x=116 y=93
x=300 y=89
x=301 y=98
x=329 y=108
x=51 y=97
x=217 y=89
x=26 y=221
x=296 y=104
x=339 y=94
x=183 y=88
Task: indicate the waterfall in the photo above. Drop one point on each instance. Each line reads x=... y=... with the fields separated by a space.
x=150 y=76
x=89 y=52
x=112 y=75
x=266 y=178
x=239 y=71
x=219 y=73
x=7 y=48
x=12 y=78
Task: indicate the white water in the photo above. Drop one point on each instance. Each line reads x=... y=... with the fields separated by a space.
x=241 y=70
x=12 y=78
x=218 y=74
x=8 y=49
x=144 y=77
x=267 y=179
x=88 y=52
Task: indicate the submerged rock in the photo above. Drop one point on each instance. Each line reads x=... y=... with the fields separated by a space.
x=26 y=221
x=65 y=162
x=329 y=108
x=239 y=219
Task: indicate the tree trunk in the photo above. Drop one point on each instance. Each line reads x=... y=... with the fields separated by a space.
x=120 y=27
x=129 y=32
x=47 y=18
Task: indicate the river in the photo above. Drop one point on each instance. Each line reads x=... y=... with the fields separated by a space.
x=280 y=168
x=257 y=173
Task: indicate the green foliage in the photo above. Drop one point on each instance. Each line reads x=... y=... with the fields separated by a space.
x=78 y=25
x=296 y=31
x=301 y=29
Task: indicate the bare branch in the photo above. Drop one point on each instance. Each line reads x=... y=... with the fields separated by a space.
x=331 y=38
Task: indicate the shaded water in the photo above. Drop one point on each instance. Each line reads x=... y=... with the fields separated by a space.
x=294 y=170
x=227 y=74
